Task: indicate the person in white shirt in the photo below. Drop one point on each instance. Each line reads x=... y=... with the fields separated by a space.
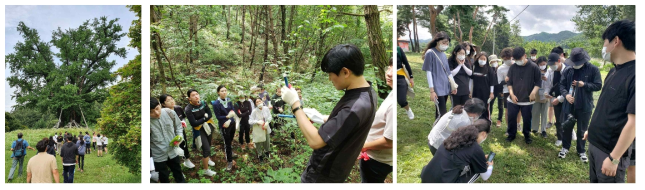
x=105 y=144
x=541 y=106
x=260 y=119
x=459 y=116
x=99 y=145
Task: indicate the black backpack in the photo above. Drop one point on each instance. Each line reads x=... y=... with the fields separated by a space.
x=19 y=148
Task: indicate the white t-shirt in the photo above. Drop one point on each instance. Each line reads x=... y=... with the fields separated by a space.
x=502 y=71
x=99 y=142
x=383 y=126
x=105 y=140
x=442 y=130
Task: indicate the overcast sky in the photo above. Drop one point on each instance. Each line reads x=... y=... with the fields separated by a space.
x=45 y=19
x=535 y=19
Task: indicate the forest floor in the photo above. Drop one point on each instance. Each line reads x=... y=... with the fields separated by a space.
x=97 y=169
x=515 y=162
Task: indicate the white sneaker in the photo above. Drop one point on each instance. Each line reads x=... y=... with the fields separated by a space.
x=209 y=172
x=188 y=164
x=558 y=143
x=573 y=136
x=410 y=114
x=211 y=163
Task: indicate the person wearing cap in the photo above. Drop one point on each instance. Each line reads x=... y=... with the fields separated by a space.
x=404 y=71
x=497 y=91
x=242 y=109
x=578 y=85
x=556 y=68
x=435 y=64
x=612 y=127
x=484 y=81
x=541 y=106
x=524 y=80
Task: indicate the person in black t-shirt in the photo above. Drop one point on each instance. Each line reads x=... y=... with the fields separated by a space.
x=461 y=70
x=524 y=80
x=613 y=124
x=484 y=81
x=460 y=159
x=340 y=139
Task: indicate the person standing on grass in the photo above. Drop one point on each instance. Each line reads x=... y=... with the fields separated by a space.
x=541 y=106
x=435 y=64
x=557 y=68
x=462 y=71
x=578 y=85
x=200 y=118
x=86 y=139
x=94 y=137
x=260 y=118
x=404 y=71
x=459 y=116
x=277 y=107
x=82 y=149
x=524 y=80
x=99 y=145
x=167 y=101
x=378 y=144
x=68 y=155
x=484 y=80
x=51 y=146
x=18 y=152
x=42 y=167
x=339 y=141
x=497 y=91
x=105 y=144
x=243 y=109
x=460 y=158
x=223 y=108
x=613 y=124
x=59 y=142
x=165 y=125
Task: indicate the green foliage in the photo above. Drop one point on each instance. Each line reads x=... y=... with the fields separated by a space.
x=592 y=20
x=543 y=48
x=121 y=117
x=549 y=37
x=283 y=175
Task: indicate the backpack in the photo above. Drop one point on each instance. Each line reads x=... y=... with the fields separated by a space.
x=81 y=149
x=19 y=149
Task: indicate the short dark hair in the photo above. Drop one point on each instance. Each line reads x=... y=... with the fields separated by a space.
x=533 y=51
x=41 y=146
x=557 y=50
x=625 y=30
x=344 y=55
x=506 y=52
x=220 y=87
x=162 y=99
x=518 y=53
x=69 y=138
x=19 y=135
x=190 y=92
x=153 y=103
x=541 y=59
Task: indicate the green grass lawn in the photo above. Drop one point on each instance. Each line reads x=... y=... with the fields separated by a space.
x=515 y=162
x=97 y=169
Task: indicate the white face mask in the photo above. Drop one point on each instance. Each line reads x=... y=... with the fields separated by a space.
x=519 y=62
x=468 y=52
x=443 y=47
x=606 y=55
x=554 y=67
x=461 y=57
x=578 y=66
x=533 y=57
x=472 y=119
x=482 y=62
x=494 y=64
x=542 y=67
x=508 y=62
x=484 y=139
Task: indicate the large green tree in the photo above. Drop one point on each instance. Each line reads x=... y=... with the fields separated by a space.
x=71 y=80
x=592 y=20
x=121 y=116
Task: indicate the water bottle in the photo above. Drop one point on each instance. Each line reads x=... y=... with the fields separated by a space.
x=571 y=90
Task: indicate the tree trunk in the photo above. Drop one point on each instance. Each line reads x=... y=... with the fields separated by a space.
x=377 y=48
x=266 y=40
x=434 y=12
x=461 y=34
x=283 y=12
x=414 y=28
x=192 y=39
x=254 y=39
x=155 y=17
x=470 y=34
x=228 y=20
x=410 y=36
x=273 y=35
x=488 y=29
x=86 y=126
x=242 y=38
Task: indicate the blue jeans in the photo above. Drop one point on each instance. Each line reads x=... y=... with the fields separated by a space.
x=16 y=161
x=68 y=174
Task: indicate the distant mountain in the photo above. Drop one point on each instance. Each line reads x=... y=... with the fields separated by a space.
x=550 y=37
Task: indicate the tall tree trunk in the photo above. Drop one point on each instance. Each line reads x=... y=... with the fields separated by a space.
x=410 y=36
x=414 y=27
x=434 y=12
x=266 y=41
x=470 y=34
x=377 y=48
x=274 y=40
x=192 y=38
x=155 y=15
x=254 y=39
x=242 y=38
x=461 y=34
x=488 y=29
x=285 y=46
x=228 y=19
x=283 y=16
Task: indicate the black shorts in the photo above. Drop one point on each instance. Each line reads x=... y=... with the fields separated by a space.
x=506 y=95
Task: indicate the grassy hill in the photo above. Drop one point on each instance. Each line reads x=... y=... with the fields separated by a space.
x=550 y=37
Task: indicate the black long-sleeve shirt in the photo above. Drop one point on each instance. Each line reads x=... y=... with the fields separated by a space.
x=402 y=61
x=243 y=110
x=195 y=114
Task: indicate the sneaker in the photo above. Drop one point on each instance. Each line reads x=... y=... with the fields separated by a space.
x=558 y=143
x=211 y=163
x=573 y=136
x=508 y=139
x=506 y=134
x=563 y=153
x=543 y=134
x=229 y=166
x=549 y=124
x=499 y=123
x=410 y=114
x=583 y=157
x=209 y=172
x=528 y=140
x=188 y=164
x=534 y=132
